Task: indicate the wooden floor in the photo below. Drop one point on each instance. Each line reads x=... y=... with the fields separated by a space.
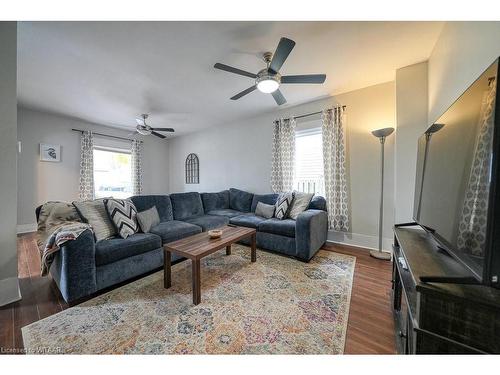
x=370 y=327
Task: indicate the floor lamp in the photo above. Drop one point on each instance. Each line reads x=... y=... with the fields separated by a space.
x=381 y=134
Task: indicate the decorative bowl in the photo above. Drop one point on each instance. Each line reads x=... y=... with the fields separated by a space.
x=214 y=233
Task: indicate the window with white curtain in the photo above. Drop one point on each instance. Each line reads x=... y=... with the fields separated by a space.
x=309 y=172
x=112 y=173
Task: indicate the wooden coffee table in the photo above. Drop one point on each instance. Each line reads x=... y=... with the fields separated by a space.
x=200 y=245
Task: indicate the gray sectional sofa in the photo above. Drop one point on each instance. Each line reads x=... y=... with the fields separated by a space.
x=83 y=267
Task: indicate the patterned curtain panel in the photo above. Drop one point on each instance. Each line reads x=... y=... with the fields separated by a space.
x=283 y=162
x=472 y=227
x=87 y=166
x=136 y=167
x=336 y=194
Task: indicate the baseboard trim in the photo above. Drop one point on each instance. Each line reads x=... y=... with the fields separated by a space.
x=9 y=291
x=26 y=228
x=361 y=241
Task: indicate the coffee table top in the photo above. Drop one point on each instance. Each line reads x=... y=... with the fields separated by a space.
x=200 y=245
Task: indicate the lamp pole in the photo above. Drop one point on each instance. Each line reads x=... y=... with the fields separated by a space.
x=381 y=134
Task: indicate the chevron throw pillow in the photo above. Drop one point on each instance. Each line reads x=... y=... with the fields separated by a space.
x=283 y=205
x=124 y=215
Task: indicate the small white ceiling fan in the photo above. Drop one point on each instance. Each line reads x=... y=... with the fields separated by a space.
x=145 y=129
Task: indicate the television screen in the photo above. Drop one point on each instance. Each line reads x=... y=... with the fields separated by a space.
x=454 y=173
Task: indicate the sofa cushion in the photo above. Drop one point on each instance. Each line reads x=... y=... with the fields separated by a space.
x=215 y=201
x=228 y=213
x=114 y=249
x=240 y=200
x=148 y=219
x=284 y=227
x=161 y=202
x=94 y=213
x=264 y=198
x=299 y=204
x=283 y=205
x=124 y=215
x=265 y=210
x=207 y=222
x=186 y=205
x=317 y=203
x=250 y=220
x=174 y=230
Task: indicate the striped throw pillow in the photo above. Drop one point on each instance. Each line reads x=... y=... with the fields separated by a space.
x=283 y=205
x=124 y=215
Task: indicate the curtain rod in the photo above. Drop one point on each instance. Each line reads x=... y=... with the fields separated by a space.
x=312 y=113
x=103 y=135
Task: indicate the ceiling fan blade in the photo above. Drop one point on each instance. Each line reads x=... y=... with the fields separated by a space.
x=278 y=96
x=305 y=78
x=244 y=92
x=164 y=129
x=158 y=135
x=284 y=48
x=230 y=69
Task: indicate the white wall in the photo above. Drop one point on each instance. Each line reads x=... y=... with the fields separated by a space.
x=9 y=286
x=462 y=52
x=411 y=115
x=43 y=181
x=424 y=91
x=239 y=155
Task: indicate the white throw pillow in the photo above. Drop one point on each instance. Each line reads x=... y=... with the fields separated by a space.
x=300 y=203
x=94 y=213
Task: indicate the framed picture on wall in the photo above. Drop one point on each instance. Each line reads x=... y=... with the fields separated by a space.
x=50 y=152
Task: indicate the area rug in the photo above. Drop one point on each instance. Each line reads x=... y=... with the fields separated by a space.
x=277 y=305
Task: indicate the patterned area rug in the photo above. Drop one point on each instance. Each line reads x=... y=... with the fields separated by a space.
x=277 y=305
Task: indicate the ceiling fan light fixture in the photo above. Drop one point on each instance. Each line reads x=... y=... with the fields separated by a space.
x=267 y=83
x=269 y=79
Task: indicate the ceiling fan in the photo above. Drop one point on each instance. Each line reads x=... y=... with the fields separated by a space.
x=269 y=79
x=144 y=129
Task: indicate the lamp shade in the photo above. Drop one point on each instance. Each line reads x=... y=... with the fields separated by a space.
x=434 y=128
x=380 y=133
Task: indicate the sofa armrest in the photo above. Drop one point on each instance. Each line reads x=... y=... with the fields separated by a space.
x=73 y=268
x=311 y=230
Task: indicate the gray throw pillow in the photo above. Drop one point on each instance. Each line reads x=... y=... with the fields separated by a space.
x=124 y=216
x=264 y=210
x=148 y=219
x=94 y=213
x=300 y=203
x=283 y=205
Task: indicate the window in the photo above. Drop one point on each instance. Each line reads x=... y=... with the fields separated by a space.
x=309 y=173
x=112 y=173
x=192 y=169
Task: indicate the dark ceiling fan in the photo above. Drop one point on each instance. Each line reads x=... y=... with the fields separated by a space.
x=144 y=129
x=269 y=79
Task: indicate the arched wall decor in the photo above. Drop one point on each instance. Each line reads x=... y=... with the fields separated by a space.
x=192 y=169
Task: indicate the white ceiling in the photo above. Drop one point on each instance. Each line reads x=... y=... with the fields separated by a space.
x=110 y=72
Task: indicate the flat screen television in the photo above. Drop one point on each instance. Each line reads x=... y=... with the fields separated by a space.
x=457 y=189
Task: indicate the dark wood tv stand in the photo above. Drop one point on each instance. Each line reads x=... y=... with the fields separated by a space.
x=434 y=318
